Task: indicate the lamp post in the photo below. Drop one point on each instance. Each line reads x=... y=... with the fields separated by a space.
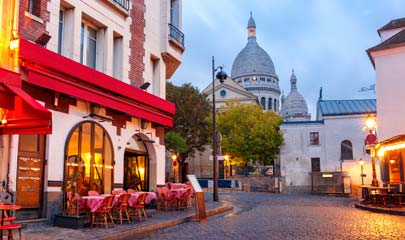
x=221 y=76
x=361 y=162
x=371 y=139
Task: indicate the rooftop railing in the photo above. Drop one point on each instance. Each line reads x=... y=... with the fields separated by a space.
x=176 y=34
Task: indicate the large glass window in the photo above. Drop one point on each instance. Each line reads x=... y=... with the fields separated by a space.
x=89 y=159
x=60 y=32
x=174 y=13
x=88 y=45
x=346 y=150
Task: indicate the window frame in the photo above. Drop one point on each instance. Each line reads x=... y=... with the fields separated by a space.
x=84 y=43
x=346 y=153
x=314 y=138
x=75 y=165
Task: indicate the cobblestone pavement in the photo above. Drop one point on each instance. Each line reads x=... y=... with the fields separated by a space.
x=277 y=216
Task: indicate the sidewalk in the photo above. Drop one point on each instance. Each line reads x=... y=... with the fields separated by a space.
x=157 y=219
x=378 y=209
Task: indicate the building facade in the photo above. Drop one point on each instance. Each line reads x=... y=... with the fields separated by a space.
x=334 y=142
x=96 y=72
x=388 y=59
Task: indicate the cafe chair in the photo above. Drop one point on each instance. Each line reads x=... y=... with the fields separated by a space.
x=6 y=218
x=122 y=206
x=183 y=201
x=9 y=228
x=163 y=200
x=104 y=211
x=139 y=206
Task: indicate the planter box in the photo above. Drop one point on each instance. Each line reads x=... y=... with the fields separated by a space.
x=75 y=222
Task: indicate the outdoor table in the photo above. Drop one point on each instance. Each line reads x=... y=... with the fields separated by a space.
x=178 y=185
x=3 y=209
x=134 y=197
x=176 y=193
x=92 y=202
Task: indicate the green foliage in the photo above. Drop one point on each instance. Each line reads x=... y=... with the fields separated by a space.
x=249 y=134
x=174 y=141
x=190 y=122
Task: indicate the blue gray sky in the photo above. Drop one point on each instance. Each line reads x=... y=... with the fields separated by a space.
x=323 y=40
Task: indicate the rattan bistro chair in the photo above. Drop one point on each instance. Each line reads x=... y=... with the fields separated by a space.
x=122 y=206
x=139 y=206
x=103 y=211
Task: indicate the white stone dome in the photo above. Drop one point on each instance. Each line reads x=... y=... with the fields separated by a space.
x=294 y=107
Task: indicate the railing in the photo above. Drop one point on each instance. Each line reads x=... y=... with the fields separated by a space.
x=176 y=34
x=123 y=3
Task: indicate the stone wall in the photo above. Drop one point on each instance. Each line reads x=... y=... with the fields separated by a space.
x=258 y=183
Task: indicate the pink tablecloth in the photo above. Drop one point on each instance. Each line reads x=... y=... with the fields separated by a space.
x=178 y=185
x=134 y=197
x=94 y=202
x=176 y=193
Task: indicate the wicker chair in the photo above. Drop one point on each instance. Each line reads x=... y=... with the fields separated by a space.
x=103 y=211
x=184 y=200
x=122 y=205
x=139 y=206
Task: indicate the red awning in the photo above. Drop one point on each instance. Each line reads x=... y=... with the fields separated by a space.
x=53 y=71
x=24 y=115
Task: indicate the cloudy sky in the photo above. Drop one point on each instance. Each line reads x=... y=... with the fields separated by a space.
x=323 y=40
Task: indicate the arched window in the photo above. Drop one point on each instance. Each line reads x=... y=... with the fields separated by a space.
x=263 y=102
x=269 y=107
x=346 y=150
x=89 y=159
x=275 y=105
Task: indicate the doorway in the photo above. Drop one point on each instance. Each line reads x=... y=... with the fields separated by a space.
x=136 y=170
x=30 y=175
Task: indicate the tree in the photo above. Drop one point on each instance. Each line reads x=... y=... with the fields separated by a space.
x=190 y=122
x=249 y=134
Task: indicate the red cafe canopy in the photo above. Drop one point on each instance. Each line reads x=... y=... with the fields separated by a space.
x=23 y=114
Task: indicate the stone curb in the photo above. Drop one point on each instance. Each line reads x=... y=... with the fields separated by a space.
x=166 y=224
x=379 y=210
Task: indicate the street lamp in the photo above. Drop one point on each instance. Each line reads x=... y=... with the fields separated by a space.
x=361 y=162
x=221 y=75
x=371 y=140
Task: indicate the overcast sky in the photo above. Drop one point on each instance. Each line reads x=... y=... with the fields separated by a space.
x=323 y=40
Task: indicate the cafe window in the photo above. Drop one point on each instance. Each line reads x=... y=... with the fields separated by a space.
x=89 y=159
x=88 y=45
x=314 y=138
x=346 y=150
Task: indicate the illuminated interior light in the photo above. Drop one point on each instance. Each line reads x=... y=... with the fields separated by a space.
x=14 y=44
x=327 y=175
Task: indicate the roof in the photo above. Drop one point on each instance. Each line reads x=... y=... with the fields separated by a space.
x=396 y=23
x=302 y=122
x=394 y=41
x=347 y=107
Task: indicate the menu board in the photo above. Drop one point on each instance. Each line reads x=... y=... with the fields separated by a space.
x=194 y=182
x=29 y=178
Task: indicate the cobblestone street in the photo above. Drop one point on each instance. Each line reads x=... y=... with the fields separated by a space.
x=276 y=216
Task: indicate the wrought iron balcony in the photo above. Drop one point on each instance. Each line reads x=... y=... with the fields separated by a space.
x=123 y=3
x=176 y=34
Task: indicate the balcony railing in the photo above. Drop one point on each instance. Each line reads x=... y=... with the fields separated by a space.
x=176 y=34
x=123 y=3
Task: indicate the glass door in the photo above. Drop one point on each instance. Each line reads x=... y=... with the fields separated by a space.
x=136 y=171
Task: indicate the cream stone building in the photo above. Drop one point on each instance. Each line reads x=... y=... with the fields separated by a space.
x=83 y=97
